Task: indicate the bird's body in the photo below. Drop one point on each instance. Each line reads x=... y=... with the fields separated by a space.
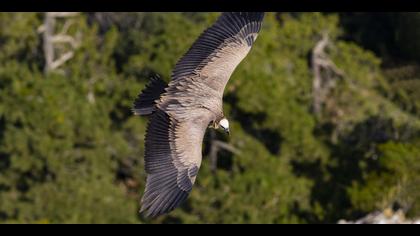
x=182 y=110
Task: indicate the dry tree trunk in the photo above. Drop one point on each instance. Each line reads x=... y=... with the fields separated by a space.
x=49 y=24
x=325 y=74
x=51 y=39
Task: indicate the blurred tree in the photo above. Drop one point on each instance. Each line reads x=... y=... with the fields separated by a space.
x=60 y=150
x=399 y=162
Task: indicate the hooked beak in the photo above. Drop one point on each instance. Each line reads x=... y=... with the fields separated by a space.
x=227 y=131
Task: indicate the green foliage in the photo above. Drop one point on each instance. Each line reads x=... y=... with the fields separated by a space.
x=61 y=150
x=400 y=168
x=404 y=84
x=71 y=151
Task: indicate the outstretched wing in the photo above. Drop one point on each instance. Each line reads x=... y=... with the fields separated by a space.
x=172 y=159
x=193 y=97
x=216 y=53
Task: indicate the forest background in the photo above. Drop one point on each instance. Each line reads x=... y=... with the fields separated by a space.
x=325 y=116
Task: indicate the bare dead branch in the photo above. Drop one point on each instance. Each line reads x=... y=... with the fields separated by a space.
x=325 y=73
x=65 y=39
x=52 y=42
x=62 y=14
x=215 y=147
x=226 y=146
x=66 y=26
x=65 y=57
x=49 y=23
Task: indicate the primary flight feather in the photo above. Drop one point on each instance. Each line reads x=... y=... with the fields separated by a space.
x=181 y=111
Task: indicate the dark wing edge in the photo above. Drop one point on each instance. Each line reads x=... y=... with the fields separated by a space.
x=145 y=104
x=228 y=25
x=167 y=186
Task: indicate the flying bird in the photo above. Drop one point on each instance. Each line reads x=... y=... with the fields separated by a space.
x=181 y=111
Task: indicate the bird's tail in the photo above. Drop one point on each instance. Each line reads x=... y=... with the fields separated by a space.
x=145 y=102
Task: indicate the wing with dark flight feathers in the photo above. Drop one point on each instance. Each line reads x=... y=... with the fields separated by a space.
x=177 y=126
x=172 y=159
x=217 y=52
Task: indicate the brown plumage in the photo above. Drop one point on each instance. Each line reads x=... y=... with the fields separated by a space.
x=182 y=110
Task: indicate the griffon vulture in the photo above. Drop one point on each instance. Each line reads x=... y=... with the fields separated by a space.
x=181 y=111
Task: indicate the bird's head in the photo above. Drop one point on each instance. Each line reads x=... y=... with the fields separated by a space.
x=224 y=124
